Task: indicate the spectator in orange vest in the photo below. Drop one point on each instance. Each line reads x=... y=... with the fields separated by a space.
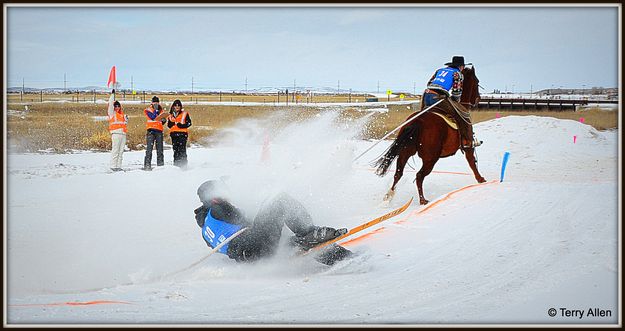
x=178 y=123
x=118 y=130
x=155 y=119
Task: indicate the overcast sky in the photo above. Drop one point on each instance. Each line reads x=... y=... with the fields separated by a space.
x=518 y=48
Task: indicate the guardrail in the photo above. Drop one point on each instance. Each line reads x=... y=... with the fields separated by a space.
x=537 y=104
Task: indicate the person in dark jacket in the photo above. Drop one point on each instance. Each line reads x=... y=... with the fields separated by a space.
x=220 y=220
x=155 y=118
x=178 y=123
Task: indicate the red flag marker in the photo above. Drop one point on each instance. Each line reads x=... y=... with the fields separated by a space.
x=574 y=139
x=581 y=119
x=112 y=77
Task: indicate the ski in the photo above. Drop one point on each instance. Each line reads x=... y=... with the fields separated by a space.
x=360 y=227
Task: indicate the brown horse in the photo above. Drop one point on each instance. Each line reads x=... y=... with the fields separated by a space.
x=432 y=138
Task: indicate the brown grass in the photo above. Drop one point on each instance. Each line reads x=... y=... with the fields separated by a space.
x=66 y=126
x=269 y=99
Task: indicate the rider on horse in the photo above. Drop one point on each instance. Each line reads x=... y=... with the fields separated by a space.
x=446 y=83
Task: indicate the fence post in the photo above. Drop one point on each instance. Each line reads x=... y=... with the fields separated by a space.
x=219 y=96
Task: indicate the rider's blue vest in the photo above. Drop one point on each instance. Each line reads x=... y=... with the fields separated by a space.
x=444 y=78
x=216 y=231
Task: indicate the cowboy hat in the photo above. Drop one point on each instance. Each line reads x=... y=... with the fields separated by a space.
x=457 y=61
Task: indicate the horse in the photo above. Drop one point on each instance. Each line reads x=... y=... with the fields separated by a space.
x=432 y=138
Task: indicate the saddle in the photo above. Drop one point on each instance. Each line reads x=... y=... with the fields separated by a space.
x=450 y=121
x=458 y=118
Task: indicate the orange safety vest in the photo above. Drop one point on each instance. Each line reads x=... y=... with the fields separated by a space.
x=181 y=118
x=157 y=125
x=117 y=121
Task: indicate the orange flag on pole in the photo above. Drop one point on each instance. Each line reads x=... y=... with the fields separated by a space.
x=112 y=78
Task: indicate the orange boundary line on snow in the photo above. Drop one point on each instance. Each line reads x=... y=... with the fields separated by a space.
x=415 y=213
x=76 y=303
x=351 y=241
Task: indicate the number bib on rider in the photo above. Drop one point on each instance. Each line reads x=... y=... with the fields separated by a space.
x=445 y=78
x=216 y=231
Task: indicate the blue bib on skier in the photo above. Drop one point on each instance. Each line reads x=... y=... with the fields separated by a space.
x=216 y=231
x=444 y=78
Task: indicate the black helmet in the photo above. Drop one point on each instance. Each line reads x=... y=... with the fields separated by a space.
x=209 y=190
x=116 y=103
x=155 y=99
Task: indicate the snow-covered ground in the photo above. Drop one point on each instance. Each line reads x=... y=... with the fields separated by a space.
x=546 y=237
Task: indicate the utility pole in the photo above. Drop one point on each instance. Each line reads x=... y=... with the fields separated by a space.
x=22 y=85
x=378 y=86
x=293 y=85
x=245 y=84
x=338 y=87
x=414 y=88
x=191 y=84
x=64 y=83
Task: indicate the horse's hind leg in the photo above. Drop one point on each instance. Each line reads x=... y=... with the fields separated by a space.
x=402 y=159
x=425 y=170
x=470 y=156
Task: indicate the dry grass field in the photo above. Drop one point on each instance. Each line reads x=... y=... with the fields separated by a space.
x=62 y=127
x=298 y=98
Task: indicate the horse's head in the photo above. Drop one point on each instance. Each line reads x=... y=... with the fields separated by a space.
x=470 y=88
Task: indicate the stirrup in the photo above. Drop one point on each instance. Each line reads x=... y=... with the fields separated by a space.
x=474 y=143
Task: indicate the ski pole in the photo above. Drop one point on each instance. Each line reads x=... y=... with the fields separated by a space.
x=397 y=128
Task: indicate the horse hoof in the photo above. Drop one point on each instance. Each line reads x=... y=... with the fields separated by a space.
x=423 y=201
x=389 y=196
x=481 y=180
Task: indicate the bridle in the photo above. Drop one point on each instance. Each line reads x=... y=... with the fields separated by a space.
x=477 y=99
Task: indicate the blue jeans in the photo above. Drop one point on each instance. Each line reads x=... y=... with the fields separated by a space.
x=151 y=137
x=430 y=99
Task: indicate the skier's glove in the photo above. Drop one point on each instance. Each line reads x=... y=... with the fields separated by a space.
x=200 y=215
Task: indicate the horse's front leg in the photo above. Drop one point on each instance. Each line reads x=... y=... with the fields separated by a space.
x=470 y=155
x=399 y=172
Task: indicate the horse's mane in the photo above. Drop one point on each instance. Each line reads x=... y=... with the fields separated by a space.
x=470 y=89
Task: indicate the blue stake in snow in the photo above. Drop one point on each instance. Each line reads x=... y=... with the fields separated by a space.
x=506 y=156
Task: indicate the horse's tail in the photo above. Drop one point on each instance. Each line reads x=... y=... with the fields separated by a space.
x=406 y=136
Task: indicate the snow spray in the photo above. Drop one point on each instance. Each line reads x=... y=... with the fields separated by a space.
x=506 y=156
x=313 y=173
x=264 y=158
